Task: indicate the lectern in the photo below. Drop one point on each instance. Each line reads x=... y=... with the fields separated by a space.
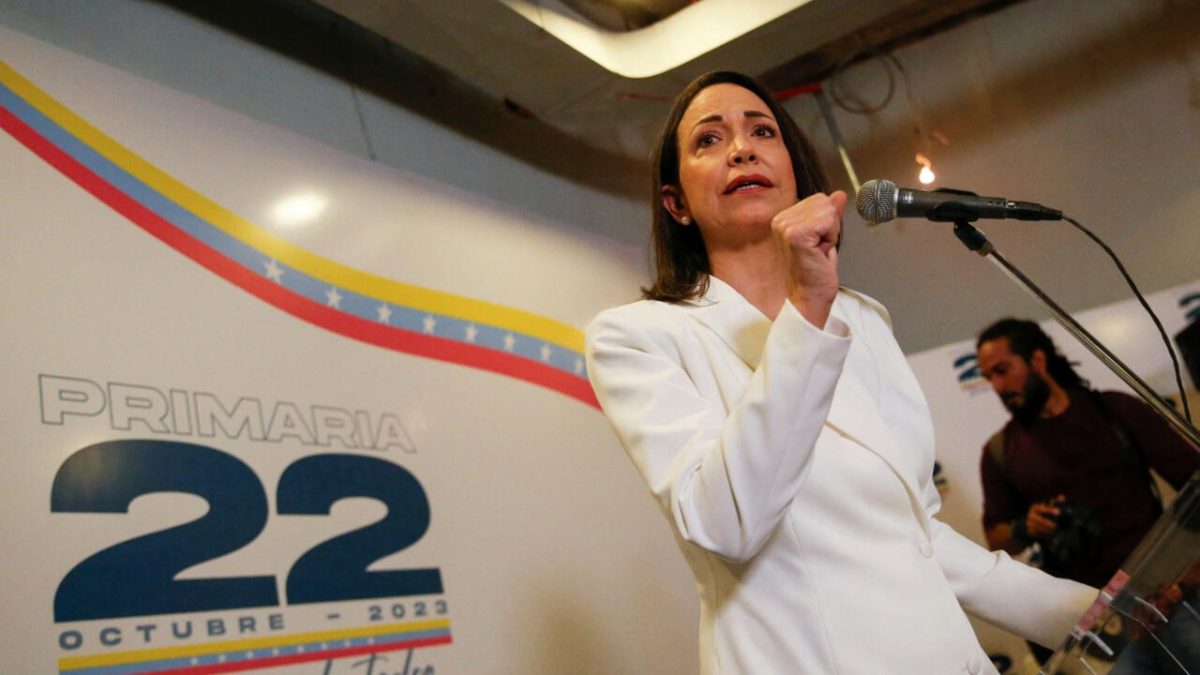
x=1146 y=621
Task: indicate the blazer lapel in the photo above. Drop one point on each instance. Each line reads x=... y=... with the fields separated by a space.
x=738 y=323
x=855 y=410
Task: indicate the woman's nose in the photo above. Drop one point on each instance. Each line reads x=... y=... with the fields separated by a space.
x=742 y=152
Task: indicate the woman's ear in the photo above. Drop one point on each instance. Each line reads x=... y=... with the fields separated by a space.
x=674 y=203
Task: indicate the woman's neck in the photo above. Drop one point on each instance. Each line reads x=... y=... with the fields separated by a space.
x=756 y=272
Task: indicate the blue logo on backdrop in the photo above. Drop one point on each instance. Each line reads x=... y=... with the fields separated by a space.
x=1190 y=304
x=966 y=366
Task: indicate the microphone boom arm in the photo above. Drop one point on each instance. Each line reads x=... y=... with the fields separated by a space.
x=977 y=241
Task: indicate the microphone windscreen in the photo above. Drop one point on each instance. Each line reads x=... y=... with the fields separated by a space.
x=876 y=201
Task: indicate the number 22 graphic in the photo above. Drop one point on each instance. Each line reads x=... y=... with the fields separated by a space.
x=137 y=577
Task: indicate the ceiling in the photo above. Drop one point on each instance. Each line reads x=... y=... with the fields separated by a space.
x=502 y=71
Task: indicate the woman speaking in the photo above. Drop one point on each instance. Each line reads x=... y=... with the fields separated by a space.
x=777 y=423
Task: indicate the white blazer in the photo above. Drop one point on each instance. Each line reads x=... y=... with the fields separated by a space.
x=795 y=465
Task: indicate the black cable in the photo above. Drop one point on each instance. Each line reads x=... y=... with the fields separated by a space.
x=866 y=108
x=1187 y=411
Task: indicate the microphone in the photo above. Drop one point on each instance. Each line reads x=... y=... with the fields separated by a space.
x=879 y=201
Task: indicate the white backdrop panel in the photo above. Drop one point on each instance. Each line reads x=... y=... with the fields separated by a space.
x=550 y=554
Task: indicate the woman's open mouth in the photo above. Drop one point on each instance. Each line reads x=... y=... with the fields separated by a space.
x=747 y=184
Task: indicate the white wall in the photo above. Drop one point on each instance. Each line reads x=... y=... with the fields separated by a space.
x=553 y=557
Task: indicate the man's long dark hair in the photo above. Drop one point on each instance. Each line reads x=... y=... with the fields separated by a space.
x=1024 y=338
x=680 y=259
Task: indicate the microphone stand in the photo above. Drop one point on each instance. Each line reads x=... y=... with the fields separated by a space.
x=978 y=242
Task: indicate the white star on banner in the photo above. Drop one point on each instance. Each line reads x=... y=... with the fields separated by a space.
x=334 y=297
x=385 y=313
x=578 y=366
x=546 y=352
x=430 y=322
x=274 y=272
x=510 y=341
x=472 y=331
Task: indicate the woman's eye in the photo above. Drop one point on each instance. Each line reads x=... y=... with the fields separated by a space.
x=705 y=140
x=765 y=131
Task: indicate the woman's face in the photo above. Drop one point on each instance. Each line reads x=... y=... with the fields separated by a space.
x=735 y=173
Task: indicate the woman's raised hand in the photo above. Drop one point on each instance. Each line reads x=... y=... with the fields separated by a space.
x=808 y=233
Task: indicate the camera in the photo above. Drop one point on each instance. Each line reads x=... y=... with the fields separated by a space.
x=1077 y=536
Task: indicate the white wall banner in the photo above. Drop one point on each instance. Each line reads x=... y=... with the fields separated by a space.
x=367 y=444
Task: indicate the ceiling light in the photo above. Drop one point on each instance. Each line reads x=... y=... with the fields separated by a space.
x=926 y=175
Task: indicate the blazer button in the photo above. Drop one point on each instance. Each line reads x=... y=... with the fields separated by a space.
x=974 y=664
x=926 y=549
